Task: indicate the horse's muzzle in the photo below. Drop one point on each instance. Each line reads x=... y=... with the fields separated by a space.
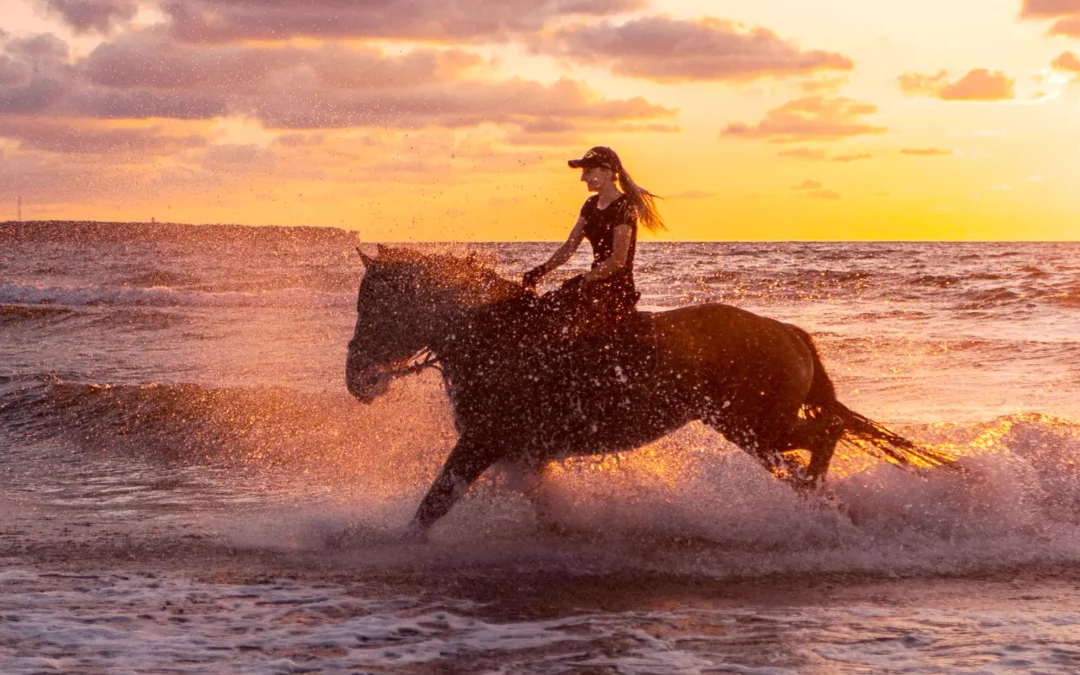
x=366 y=384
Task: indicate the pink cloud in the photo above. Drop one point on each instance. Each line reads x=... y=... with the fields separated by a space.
x=980 y=84
x=807 y=185
x=1067 y=13
x=92 y=16
x=440 y=20
x=77 y=137
x=847 y=159
x=815 y=118
x=1067 y=27
x=1067 y=61
x=823 y=194
x=663 y=49
x=804 y=153
x=148 y=75
x=1049 y=8
x=925 y=152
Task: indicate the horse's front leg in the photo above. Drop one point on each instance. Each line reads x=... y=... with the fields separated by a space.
x=466 y=462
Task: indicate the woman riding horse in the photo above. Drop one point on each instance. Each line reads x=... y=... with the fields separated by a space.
x=609 y=220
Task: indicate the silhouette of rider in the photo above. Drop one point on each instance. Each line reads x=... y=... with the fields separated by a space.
x=609 y=219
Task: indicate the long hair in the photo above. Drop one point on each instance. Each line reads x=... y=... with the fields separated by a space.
x=642 y=201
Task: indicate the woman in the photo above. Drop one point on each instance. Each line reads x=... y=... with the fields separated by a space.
x=609 y=220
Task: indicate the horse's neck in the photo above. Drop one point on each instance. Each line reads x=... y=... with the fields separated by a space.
x=453 y=308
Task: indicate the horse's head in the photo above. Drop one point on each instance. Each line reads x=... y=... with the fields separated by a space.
x=405 y=304
x=389 y=325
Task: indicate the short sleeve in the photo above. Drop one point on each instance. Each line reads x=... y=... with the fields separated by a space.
x=627 y=214
x=586 y=207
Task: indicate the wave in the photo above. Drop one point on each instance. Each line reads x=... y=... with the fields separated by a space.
x=253 y=296
x=17 y=314
x=267 y=427
x=92 y=232
x=160 y=279
x=688 y=504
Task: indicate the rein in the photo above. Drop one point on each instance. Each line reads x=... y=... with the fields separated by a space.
x=419 y=362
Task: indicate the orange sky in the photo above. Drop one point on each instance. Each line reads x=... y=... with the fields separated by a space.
x=453 y=119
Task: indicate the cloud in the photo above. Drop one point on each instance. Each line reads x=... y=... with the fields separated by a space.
x=980 y=84
x=667 y=50
x=926 y=152
x=819 y=155
x=815 y=190
x=1049 y=8
x=815 y=118
x=1068 y=27
x=148 y=75
x=1067 y=61
x=429 y=20
x=83 y=138
x=1067 y=13
x=92 y=16
x=847 y=159
x=149 y=59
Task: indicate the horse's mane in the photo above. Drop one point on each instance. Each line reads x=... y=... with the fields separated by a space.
x=472 y=278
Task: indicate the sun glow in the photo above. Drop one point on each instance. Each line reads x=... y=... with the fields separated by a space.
x=908 y=119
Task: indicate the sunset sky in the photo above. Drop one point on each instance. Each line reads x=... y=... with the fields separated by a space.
x=453 y=119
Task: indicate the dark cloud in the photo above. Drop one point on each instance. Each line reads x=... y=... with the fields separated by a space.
x=149 y=59
x=148 y=75
x=810 y=119
x=980 y=84
x=438 y=20
x=35 y=74
x=663 y=49
x=299 y=105
x=81 y=138
x=92 y=16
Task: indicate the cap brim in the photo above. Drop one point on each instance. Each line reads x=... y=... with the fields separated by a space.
x=576 y=163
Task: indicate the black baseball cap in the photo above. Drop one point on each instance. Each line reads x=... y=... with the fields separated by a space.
x=599 y=156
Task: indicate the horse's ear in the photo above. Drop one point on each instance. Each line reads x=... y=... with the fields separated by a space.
x=364 y=258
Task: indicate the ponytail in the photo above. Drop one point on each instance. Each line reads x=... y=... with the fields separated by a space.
x=642 y=201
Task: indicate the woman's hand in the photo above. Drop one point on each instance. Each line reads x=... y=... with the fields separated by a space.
x=531 y=278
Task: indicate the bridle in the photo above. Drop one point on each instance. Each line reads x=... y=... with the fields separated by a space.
x=418 y=362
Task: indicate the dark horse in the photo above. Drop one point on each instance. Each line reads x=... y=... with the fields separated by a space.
x=526 y=388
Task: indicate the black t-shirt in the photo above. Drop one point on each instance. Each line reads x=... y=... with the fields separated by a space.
x=600 y=227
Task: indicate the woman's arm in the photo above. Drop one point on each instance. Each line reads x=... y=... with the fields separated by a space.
x=561 y=255
x=620 y=249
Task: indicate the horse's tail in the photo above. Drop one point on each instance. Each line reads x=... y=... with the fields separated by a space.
x=860 y=432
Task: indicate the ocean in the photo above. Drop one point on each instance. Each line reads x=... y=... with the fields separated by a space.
x=187 y=487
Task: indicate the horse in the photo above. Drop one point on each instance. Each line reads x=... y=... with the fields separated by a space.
x=527 y=389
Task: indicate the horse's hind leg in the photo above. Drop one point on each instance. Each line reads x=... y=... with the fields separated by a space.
x=768 y=440
x=466 y=462
x=825 y=434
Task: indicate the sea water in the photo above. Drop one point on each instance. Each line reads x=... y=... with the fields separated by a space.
x=186 y=486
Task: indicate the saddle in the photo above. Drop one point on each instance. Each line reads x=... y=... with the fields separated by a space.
x=557 y=331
